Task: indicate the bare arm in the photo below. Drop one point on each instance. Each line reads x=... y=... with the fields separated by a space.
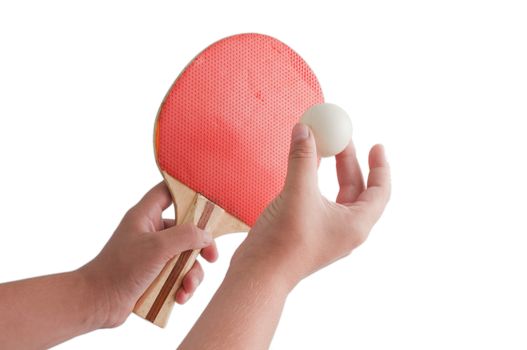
x=41 y=312
x=243 y=313
x=299 y=233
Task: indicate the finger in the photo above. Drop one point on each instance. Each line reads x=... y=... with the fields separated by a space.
x=210 y=253
x=379 y=168
x=159 y=196
x=193 y=278
x=374 y=198
x=168 y=223
x=350 y=178
x=182 y=296
x=177 y=239
x=152 y=205
x=191 y=281
x=302 y=165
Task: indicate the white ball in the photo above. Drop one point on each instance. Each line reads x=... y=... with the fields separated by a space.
x=331 y=128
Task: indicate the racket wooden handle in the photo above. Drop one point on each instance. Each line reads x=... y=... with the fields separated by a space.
x=158 y=300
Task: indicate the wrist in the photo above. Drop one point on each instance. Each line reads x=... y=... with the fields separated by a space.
x=95 y=298
x=267 y=268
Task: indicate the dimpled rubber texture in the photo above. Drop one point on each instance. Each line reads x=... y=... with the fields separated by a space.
x=224 y=127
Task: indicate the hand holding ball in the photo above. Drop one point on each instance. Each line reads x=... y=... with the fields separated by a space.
x=331 y=128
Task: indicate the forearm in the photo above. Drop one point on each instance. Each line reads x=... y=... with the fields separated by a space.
x=244 y=312
x=41 y=312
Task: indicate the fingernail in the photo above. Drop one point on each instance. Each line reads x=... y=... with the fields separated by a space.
x=186 y=298
x=197 y=282
x=383 y=152
x=207 y=235
x=300 y=132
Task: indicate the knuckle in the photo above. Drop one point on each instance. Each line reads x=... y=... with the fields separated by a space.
x=199 y=273
x=357 y=226
x=360 y=238
x=156 y=243
x=302 y=150
x=130 y=214
x=190 y=230
x=358 y=229
x=190 y=233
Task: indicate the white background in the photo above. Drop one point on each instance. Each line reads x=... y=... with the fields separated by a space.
x=443 y=84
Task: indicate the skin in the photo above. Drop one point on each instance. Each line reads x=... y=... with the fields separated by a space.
x=299 y=233
x=44 y=311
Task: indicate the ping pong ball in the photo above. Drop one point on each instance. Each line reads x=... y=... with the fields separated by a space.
x=331 y=128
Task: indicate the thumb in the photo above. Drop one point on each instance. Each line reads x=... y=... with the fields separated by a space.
x=303 y=161
x=177 y=239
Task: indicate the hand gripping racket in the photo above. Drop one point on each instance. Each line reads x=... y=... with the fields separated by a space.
x=221 y=142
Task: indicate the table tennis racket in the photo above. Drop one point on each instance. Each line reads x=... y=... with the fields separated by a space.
x=221 y=142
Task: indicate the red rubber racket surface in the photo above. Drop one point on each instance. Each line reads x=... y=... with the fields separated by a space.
x=224 y=127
